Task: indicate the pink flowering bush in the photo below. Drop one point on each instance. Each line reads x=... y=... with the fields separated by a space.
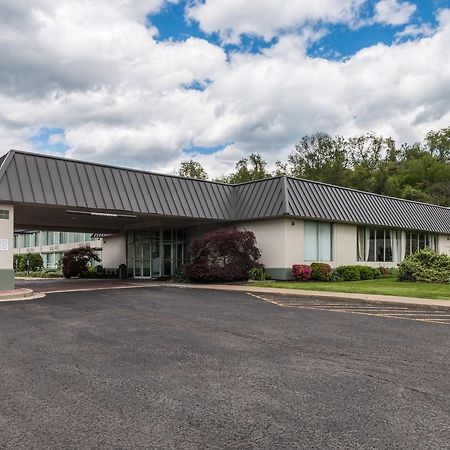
x=301 y=272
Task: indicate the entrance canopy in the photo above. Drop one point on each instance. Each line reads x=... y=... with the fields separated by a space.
x=60 y=194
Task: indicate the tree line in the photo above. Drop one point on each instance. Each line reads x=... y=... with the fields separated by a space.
x=369 y=162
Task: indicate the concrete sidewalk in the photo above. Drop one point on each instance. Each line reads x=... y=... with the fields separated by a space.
x=371 y=298
x=19 y=294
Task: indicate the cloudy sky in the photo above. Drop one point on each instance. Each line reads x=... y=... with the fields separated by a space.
x=149 y=83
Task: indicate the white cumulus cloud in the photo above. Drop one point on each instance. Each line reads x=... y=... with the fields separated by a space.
x=95 y=71
x=266 y=18
x=394 y=12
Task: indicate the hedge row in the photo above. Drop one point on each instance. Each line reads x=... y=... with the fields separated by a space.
x=324 y=272
x=40 y=274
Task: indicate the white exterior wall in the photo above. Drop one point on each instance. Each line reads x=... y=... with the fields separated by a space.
x=344 y=249
x=280 y=240
x=444 y=244
x=114 y=252
x=281 y=243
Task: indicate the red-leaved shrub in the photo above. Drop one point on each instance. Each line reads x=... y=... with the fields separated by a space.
x=301 y=272
x=75 y=261
x=223 y=255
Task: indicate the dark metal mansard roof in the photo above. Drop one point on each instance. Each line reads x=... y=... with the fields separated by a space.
x=47 y=180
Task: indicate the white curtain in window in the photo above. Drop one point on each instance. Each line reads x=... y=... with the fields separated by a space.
x=395 y=240
x=367 y=248
x=361 y=242
x=310 y=241
x=431 y=241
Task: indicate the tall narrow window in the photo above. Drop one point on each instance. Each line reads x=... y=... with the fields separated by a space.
x=317 y=241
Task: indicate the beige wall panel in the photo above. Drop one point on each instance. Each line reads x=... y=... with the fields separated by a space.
x=444 y=244
x=114 y=252
x=344 y=244
x=271 y=236
x=293 y=242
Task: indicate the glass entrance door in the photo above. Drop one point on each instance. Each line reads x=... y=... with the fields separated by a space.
x=142 y=266
x=155 y=252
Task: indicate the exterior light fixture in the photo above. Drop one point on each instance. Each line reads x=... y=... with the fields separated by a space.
x=101 y=214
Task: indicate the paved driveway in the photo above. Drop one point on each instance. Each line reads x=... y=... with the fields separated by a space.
x=163 y=367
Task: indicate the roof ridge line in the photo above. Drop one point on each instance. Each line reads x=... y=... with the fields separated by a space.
x=6 y=162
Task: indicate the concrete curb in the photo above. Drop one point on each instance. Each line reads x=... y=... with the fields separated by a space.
x=20 y=295
x=342 y=296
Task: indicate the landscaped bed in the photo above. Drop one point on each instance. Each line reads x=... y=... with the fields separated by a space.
x=386 y=286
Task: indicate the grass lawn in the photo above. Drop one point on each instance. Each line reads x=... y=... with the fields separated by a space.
x=386 y=286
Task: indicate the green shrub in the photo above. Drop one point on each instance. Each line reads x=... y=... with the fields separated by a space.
x=91 y=272
x=368 y=273
x=425 y=265
x=28 y=262
x=47 y=273
x=348 y=273
x=321 y=272
x=376 y=273
x=392 y=273
x=365 y=272
x=258 y=273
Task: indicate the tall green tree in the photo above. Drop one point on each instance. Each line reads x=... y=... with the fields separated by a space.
x=371 y=158
x=320 y=157
x=373 y=163
x=438 y=143
x=192 y=169
x=248 y=169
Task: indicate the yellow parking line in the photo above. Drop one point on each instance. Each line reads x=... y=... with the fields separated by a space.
x=292 y=305
x=417 y=316
x=265 y=299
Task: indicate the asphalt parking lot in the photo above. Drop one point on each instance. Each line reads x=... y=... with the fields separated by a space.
x=164 y=367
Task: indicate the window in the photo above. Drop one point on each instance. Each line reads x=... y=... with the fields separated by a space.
x=49 y=238
x=378 y=244
x=317 y=241
x=4 y=214
x=30 y=240
x=417 y=241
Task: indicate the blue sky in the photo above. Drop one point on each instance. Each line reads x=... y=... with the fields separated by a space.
x=150 y=83
x=340 y=41
x=49 y=139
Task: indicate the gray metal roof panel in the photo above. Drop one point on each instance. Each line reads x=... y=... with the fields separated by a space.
x=263 y=198
x=349 y=205
x=48 y=180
